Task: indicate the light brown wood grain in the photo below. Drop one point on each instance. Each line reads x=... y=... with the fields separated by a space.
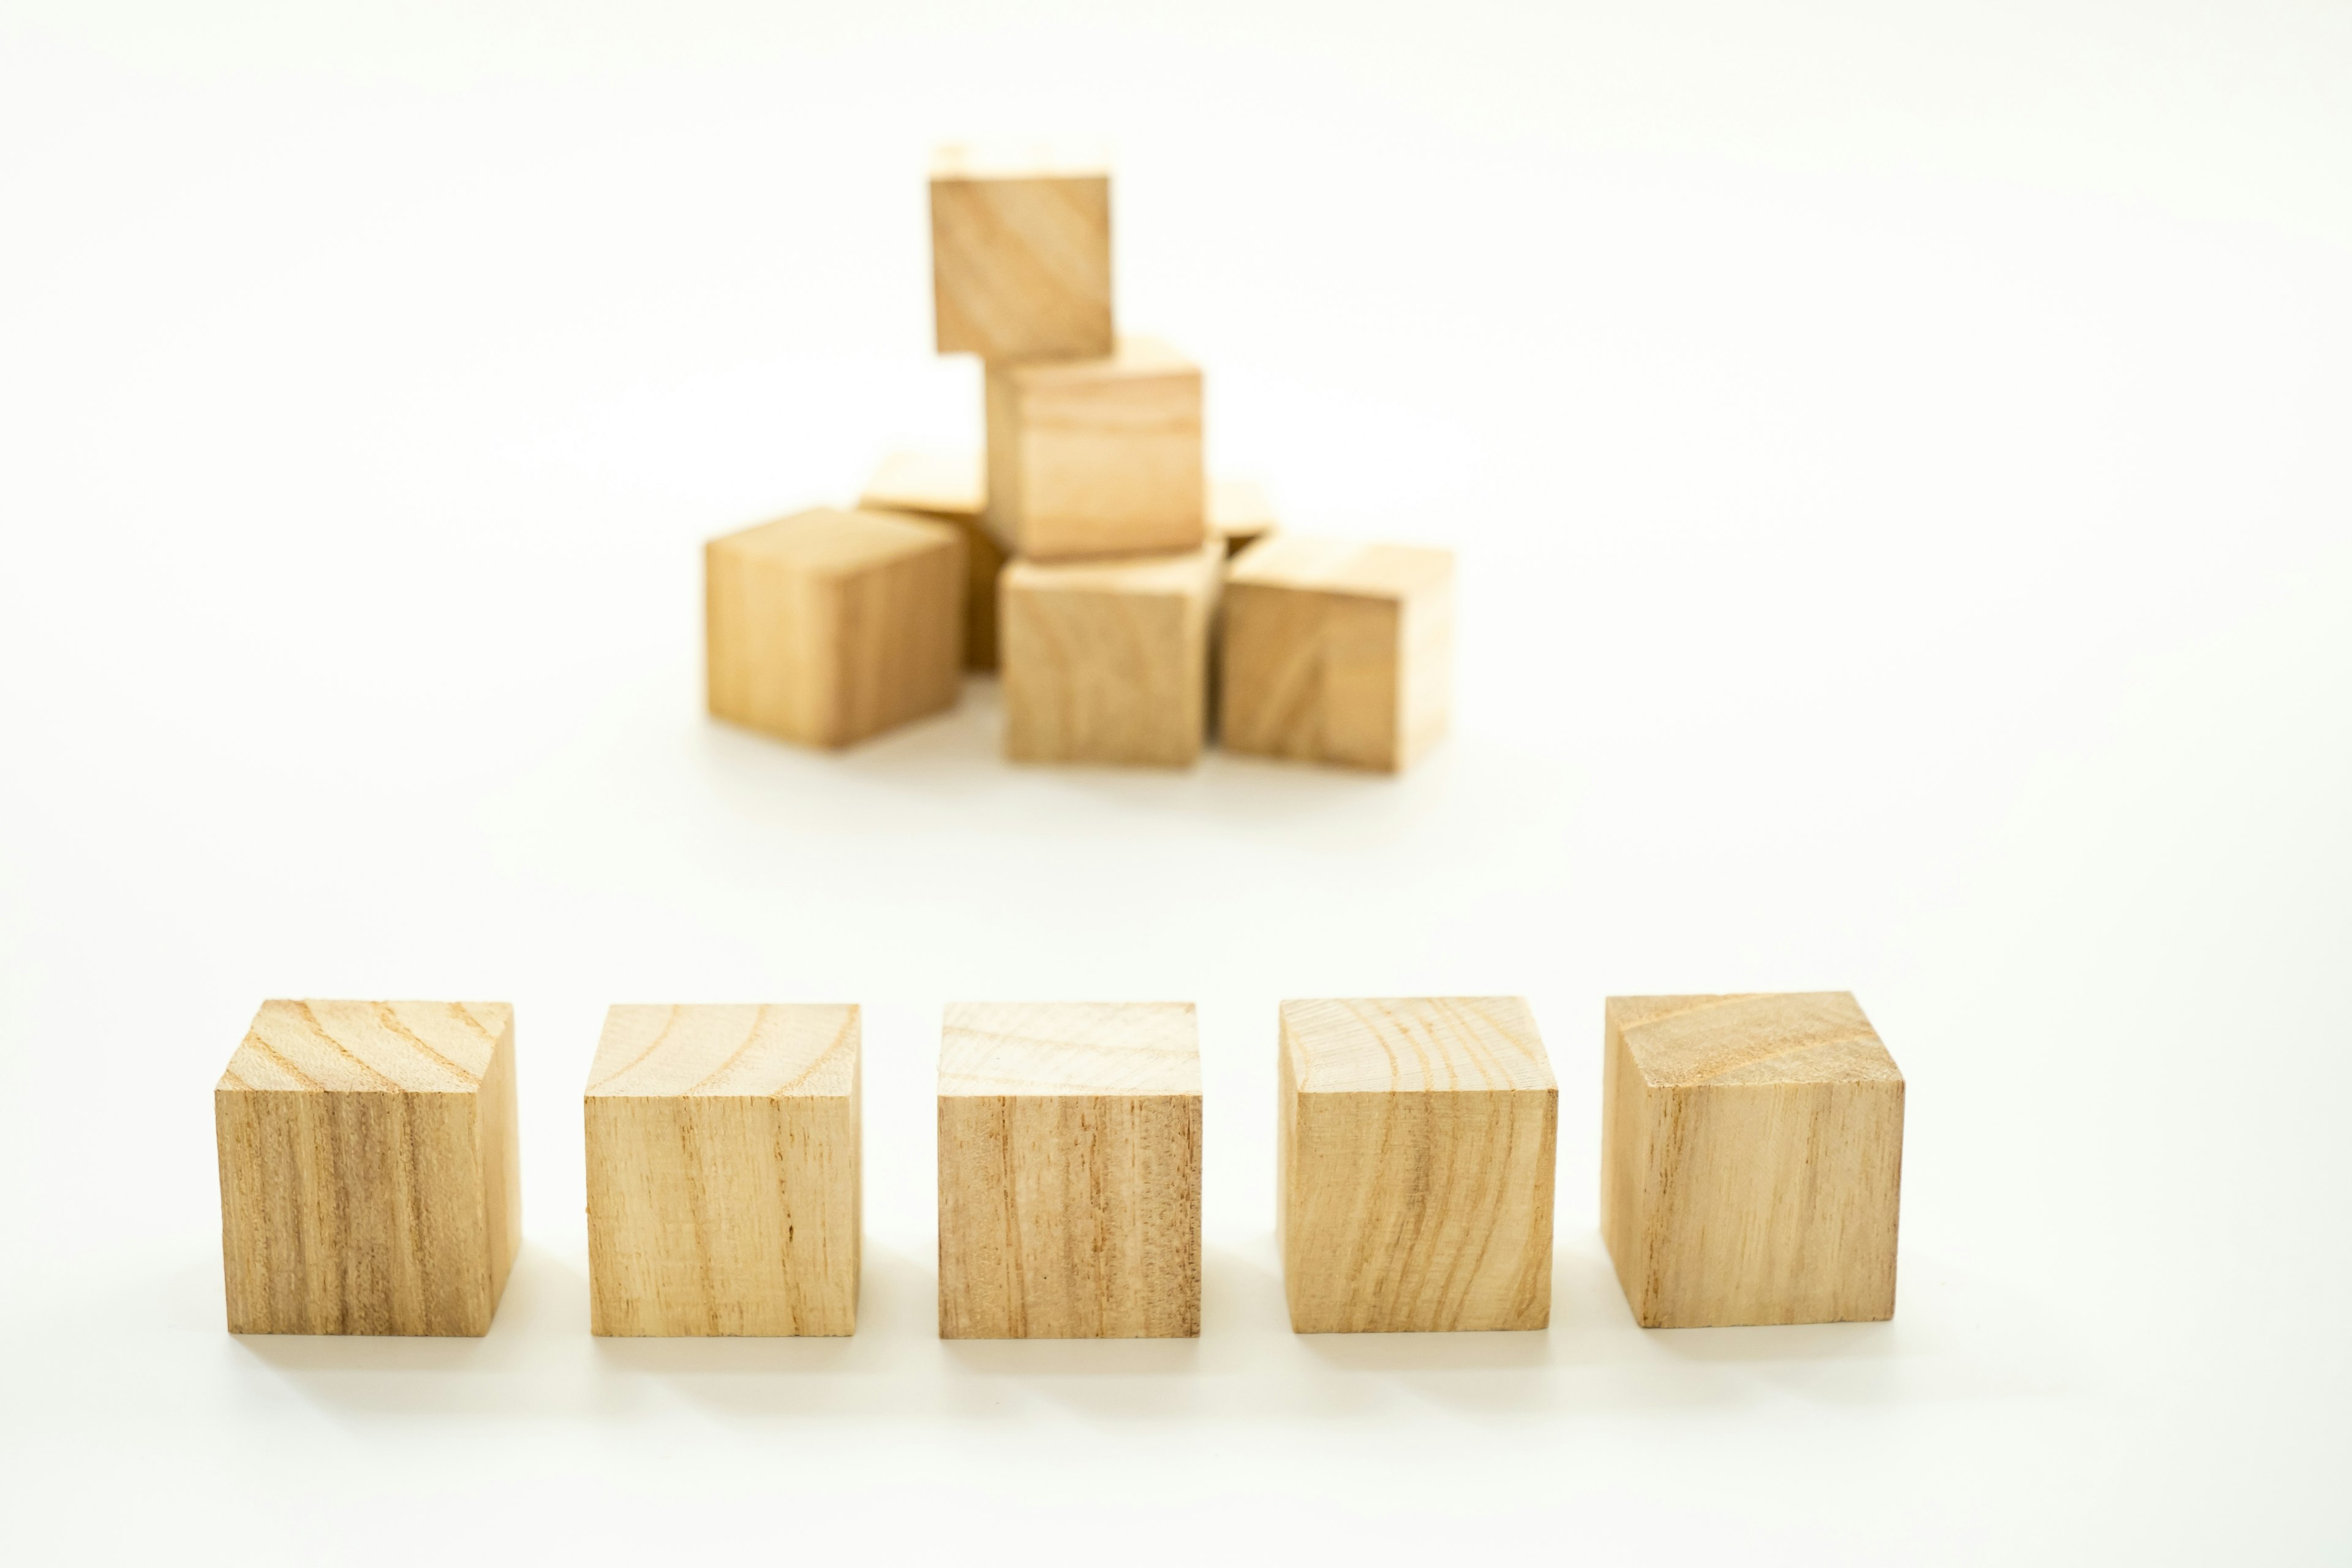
x=370 y=1182
x=1069 y=1170
x=1337 y=651
x=952 y=487
x=1097 y=457
x=1020 y=254
x=1108 y=661
x=1751 y=1159
x=828 y=627
x=723 y=1171
x=1416 y=1149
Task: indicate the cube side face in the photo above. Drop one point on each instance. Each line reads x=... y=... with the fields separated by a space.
x=769 y=641
x=1418 y=1212
x=501 y=1154
x=1322 y=677
x=356 y=1213
x=1069 y=1217
x=1099 y=677
x=899 y=646
x=1020 y=267
x=983 y=560
x=1101 y=467
x=723 y=1215
x=1628 y=1115
x=1425 y=678
x=1363 y=707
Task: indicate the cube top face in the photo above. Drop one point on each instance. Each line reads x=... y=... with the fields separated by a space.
x=344 y=1047
x=1047 y=1049
x=828 y=543
x=1789 y=1038
x=1020 y=161
x=1239 y=512
x=1414 y=1044
x=1344 y=566
x=773 y=1050
x=1020 y=258
x=935 y=484
x=1190 y=574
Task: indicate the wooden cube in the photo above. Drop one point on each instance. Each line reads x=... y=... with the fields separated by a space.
x=828 y=627
x=950 y=487
x=1751 y=1159
x=1069 y=1170
x=369 y=1178
x=1108 y=661
x=1336 y=652
x=723 y=1193
x=1417 y=1143
x=1099 y=457
x=1240 y=514
x=1021 y=256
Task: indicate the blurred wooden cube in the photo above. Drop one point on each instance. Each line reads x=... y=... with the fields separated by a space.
x=723 y=1193
x=950 y=487
x=1240 y=514
x=1099 y=457
x=1021 y=256
x=1069 y=1170
x=368 y=1169
x=1418 y=1136
x=828 y=627
x=1751 y=1159
x=1336 y=652
x=1107 y=661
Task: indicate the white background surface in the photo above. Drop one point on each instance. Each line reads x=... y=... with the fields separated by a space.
x=1898 y=459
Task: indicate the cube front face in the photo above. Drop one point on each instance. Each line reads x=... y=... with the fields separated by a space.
x=1751 y=1160
x=1100 y=459
x=723 y=1171
x=1109 y=663
x=1021 y=265
x=829 y=626
x=952 y=487
x=1418 y=1138
x=1069 y=1172
x=370 y=1182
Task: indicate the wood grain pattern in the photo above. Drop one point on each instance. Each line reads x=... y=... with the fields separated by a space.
x=950 y=487
x=370 y=1182
x=1097 y=457
x=1069 y=1170
x=723 y=1171
x=828 y=627
x=1020 y=255
x=1108 y=661
x=1751 y=1159
x=1417 y=1141
x=1337 y=651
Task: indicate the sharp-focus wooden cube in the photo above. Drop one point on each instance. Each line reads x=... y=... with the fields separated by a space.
x=1336 y=652
x=827 y=626
x=951 y=487
x=1417 y=1143
x=1099 y=457
x=1069 y=1170
x=1020 y=255
x=369 y=1178
x=1751 y=1160
x=723 y=1192
x=1108 y=661
x=1240 y=514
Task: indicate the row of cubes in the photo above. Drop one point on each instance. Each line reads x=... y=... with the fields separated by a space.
x=1751 y=1163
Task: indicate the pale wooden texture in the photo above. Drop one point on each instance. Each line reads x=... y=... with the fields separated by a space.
x=951 y=487
x=723 y=1177
x=1751 y=1159
x=1020 y=258
x=1108 y=661
x=1417 y=1141
x=370 y=1182
x=1096 y=458
x=1337 y=651
x=1239 y=513
x=828 y=627
x=1069 y=1170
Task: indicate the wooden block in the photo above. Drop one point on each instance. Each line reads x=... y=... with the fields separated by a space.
x=369 y=1178
x=1417 y=1141
x=1099 y=457
x=952 y=488
x=1021 y=256
x=1337 y=652
x=827 y=626
x=1069 y=1170
x=1108 y=661
x=1751 y=1160
x=1239 y=513
x=723 y=1193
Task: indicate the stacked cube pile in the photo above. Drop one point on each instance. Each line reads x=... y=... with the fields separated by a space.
x=1131 y=607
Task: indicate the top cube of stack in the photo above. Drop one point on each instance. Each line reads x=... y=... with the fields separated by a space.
x=1021 y=256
